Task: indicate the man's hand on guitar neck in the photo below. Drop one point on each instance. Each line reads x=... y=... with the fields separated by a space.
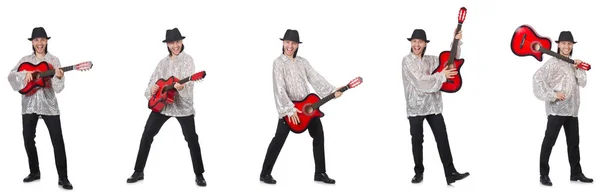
x=581 y=65
x=178 y=86
x=459 y=35
x=59 y=73
x=338 y=93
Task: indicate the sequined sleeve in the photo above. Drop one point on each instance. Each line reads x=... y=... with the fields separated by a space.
x=282 y=101
x=57 y=84
x=188 y=70
x=421 y=81
x=17 y=79
x=318 y=82
x=581 y=77
x=152 y=81
x=541 y=89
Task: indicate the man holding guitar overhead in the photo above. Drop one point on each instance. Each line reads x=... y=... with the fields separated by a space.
x=290 y=73
x=41 y=104
x=424 y=101
x=557 y=83
x=179 y=65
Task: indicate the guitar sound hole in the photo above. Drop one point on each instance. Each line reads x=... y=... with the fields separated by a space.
x=308 y=109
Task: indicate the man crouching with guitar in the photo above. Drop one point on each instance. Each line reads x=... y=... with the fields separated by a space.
x=557 y=83
x=424 y=101
x=42 y=103
x=289 y=74
x=177 y=64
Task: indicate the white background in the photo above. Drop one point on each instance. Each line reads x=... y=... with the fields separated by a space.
x=495 y=124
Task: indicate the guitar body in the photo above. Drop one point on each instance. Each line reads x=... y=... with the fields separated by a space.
x=36 y=83
x=306 y=116
x=158 y=101
x=453 y=84
x=523 y=40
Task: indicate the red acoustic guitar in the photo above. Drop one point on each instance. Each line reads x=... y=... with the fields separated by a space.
x=527 y=42
x=310 y=107
x=447 y=60
x=166 y=90
x=43 y=72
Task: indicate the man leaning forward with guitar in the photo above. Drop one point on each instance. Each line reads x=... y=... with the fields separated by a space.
x=557 y=83
x=424 y=101
x=42 y=104
x=177 y=64
x=289 y=84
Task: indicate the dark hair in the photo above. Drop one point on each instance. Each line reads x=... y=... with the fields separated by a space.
x=171 y=54
x=422 y=53
x=295 y=53
x=45 y=51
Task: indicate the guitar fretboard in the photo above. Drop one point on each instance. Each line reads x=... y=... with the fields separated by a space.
x=182 y=81
x=559 y=56
x=454 y=47
x=328 y=98
x=53 y=71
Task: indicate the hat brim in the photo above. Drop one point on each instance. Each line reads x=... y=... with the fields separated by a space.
x=36 y=37
x=290 y=40
x=176 y=39
x=410 y=39
x=571 y=41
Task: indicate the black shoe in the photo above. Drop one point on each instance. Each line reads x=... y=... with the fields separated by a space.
x=545 y=180
x=32 y=177
x=200 y=180
x=456 y=176
x=64 y=182
x=135 y=177
x=268 y=179
x=323 y=177
x=582 y=178
x=417 y=178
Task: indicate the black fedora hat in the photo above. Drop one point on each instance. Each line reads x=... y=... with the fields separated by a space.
x=566 y=36
x=418 y=34
x=291 y=35
x=173 y=35
x=38 y=32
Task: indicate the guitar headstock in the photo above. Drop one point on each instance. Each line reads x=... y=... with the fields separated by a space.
x=355 y=82
x=83 y=66
x=462 y=14
x=198 y=76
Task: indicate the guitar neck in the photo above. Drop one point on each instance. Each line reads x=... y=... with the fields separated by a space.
x=182 y=81
x=53 y=71
x=454 y=46
x=329 y=97
x=559 y=56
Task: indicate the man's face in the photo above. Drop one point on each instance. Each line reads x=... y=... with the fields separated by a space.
x=417 y=46
x=289 y=47
x=175 y=47
x=39 y=45
x=565 y=47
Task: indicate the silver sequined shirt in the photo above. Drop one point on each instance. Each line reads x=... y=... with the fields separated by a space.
x=181 y=66
x=290 y=83
x=42 y=102
x=421 y=87
x=559 y=76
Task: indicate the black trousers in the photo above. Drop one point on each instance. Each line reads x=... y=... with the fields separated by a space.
x=315 y=129
x=153 y=125
x=54 y=128
x=571 y=125
x=438 y=127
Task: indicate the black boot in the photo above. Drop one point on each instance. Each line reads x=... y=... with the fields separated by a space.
x=200 y=180
x=135 y=177
x=32 y=177
x=324 y=178
x=65 y=183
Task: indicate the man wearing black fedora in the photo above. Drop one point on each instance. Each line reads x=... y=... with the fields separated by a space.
x=557 y=84
x=42 y=104
x=424 y=102
x=177 y=64
x=289 y=74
